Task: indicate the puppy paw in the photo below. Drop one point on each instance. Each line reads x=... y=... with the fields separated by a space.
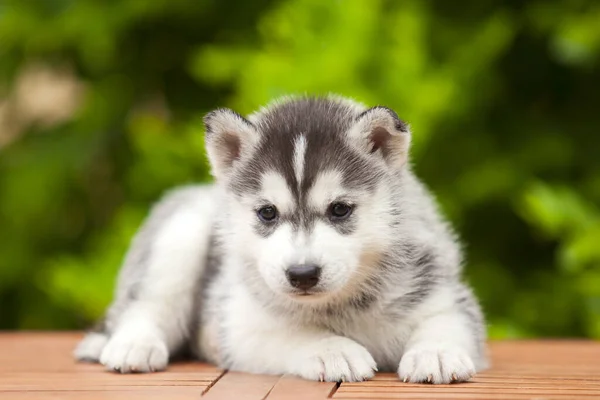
x=91 y=346
x=135 y=353
x=436 y=364
x=336 y=359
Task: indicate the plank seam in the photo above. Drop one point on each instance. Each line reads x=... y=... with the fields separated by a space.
x=334 y=390
x=272 y=387
x=211 y=384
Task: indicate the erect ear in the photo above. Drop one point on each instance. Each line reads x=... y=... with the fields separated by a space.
x=379 y=130
x=229 y=136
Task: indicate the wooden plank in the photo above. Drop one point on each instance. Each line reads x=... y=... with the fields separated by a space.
x=144 y=394
x=239 y=386
x=292 y=388
x=42 y=381
x=466 y=396
x=481 y=389
x=488 y=383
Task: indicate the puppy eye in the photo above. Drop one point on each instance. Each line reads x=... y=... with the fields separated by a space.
x=339 y=211
x=267 y=213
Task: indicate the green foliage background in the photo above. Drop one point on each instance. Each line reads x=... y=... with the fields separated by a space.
x=503 y=98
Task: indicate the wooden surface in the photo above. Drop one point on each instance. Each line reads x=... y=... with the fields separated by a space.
x=39 y=366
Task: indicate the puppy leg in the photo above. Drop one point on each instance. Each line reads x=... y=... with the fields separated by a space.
x=445 y=347
x=155 y=321
x=139 y=344
x=258 y=342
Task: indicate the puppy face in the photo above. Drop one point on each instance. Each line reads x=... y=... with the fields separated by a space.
x=310 y=204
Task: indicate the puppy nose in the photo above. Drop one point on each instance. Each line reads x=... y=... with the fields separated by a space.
x=303 y=276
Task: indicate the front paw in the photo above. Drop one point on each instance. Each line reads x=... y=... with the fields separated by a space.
x=336 y=359
x=135 y=353
x=436 y=364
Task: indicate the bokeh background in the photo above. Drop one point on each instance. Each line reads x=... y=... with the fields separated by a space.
x=101 y=105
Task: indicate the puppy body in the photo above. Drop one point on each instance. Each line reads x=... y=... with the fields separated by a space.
x=210 y=270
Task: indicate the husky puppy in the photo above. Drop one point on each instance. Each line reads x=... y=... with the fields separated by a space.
x=317 y=253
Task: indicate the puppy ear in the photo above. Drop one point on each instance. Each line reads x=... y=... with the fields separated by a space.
x=378 y=130
x=229 y=136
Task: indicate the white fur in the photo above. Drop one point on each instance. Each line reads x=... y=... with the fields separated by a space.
x=274 y=255
x=308 y=352
x=326 y=188
x=338 y=259
x=299 y=159
x=274 y=189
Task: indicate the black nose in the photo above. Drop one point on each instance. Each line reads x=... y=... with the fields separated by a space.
x=303 y=276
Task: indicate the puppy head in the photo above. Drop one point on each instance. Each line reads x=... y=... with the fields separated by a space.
x=310 y=182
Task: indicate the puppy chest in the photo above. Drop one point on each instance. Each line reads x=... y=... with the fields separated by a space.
x=383 y=339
